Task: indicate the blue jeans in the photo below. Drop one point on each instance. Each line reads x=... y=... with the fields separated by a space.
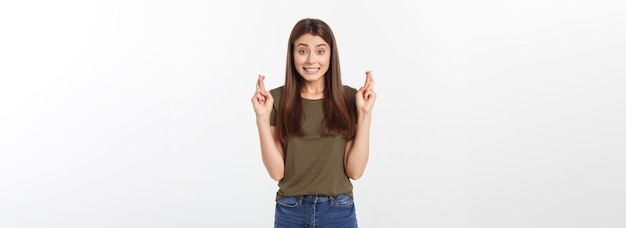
x=315 y=212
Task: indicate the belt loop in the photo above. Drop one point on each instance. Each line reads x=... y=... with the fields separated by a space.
x=300 y=200
x=332 y=200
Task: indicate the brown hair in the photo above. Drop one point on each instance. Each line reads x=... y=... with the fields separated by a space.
x=338 y=119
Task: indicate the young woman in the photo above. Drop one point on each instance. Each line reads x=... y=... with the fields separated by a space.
x=314 y=132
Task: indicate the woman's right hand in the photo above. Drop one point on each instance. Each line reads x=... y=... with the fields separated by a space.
x=262 y=101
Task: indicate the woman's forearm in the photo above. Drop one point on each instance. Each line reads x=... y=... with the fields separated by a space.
x=271 y=149
x=358 y=152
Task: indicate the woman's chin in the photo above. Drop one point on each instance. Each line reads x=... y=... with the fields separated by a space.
x=312 y=78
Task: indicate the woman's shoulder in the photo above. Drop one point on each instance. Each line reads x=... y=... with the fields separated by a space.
x=350 y=91
x=276 y=91
x=276 y=94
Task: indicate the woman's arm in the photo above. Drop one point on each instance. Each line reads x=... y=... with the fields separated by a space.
x=271 y=148
x=357 y=150
x=271 y=151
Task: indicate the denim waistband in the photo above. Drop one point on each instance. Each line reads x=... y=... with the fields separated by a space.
x=315 y=198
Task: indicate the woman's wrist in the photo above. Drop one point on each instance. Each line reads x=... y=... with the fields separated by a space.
x=364 y=116
x=263 y=120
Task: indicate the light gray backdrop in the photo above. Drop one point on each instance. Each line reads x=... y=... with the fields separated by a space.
x=138 y=114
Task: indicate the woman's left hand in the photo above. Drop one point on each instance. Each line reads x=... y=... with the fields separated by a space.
x=366 y=96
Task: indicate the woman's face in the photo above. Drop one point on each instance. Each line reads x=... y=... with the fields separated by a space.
x=311 y=57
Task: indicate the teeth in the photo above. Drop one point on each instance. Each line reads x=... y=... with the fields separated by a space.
x=311 y=69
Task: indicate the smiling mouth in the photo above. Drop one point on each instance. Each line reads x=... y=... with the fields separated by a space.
x=311 y=69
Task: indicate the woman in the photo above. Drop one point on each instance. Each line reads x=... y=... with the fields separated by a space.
x=314 y=132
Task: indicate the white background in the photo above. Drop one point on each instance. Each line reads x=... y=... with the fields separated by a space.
x=138 y=113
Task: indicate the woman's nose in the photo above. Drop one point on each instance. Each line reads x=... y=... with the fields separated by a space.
x=310 y=58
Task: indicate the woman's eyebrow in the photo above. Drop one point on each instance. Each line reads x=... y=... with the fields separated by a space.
x=306 y=45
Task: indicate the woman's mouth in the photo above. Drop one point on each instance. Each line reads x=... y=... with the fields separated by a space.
x=311 y=69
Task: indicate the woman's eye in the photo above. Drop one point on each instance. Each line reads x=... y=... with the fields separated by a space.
x=320 y=52
x=302 y=52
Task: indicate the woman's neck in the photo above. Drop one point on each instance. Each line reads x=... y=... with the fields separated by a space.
x=313 y=90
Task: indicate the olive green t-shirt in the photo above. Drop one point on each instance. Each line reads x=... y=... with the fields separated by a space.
x=314 y=163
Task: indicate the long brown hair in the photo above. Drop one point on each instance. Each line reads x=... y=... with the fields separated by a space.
x=338 y=118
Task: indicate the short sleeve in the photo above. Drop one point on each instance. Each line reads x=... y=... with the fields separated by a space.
x=276 y=95
x=351 y=98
